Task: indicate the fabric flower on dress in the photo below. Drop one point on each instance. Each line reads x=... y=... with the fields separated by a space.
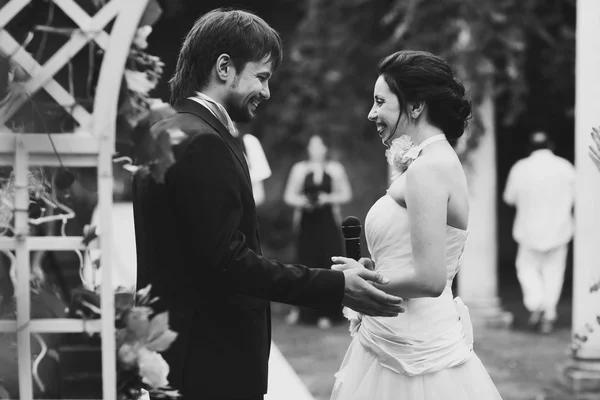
x=354 y=318
x=401 y=154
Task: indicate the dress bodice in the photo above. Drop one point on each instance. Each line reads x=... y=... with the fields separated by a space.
x=388 y=238
x=432 y=333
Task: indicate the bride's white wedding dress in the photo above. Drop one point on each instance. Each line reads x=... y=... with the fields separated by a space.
x=426 y=353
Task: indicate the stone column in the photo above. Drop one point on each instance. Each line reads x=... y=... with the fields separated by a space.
x=478 y=276
x=582 y=372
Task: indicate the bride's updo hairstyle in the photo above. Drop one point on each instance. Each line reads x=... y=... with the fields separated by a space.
x=419 y=76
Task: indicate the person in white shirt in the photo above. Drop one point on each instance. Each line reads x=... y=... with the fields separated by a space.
x=542 y=188
x=257 y=162
x=259 y=166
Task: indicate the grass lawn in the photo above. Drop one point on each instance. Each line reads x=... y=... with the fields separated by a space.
x=522 y=364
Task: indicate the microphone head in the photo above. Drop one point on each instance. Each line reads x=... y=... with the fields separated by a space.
x=351 y=221
x=351 y=227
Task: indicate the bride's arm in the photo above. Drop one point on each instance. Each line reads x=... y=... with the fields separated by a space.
x=426 y=201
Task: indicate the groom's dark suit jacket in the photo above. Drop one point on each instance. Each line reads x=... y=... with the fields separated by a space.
x=198 y=245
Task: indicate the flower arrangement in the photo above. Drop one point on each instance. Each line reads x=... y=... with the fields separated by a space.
x=401 y=153
x=141 y=336
x=142 y=73
x=38 y=188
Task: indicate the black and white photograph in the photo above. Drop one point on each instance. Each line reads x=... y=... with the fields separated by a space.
x=300 y=199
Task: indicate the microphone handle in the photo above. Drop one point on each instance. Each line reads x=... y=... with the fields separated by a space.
x=353 y=248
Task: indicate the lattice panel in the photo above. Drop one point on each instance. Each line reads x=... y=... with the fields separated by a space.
x=93 y=145
x=42 y=76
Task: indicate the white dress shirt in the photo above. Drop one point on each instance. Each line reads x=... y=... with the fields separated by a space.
x=217 y=110
x=542 y=188
x=257 y=160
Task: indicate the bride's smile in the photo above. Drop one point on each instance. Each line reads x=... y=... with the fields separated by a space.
x=386 y=113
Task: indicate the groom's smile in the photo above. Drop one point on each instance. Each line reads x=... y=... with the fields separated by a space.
x=249 y=89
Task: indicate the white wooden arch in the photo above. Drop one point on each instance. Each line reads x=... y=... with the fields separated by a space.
x=92 y=145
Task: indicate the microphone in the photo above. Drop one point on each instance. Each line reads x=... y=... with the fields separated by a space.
x=351 y=229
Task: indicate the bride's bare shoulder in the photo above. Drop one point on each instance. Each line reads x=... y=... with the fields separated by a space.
x=436 y=165
x=397 y=190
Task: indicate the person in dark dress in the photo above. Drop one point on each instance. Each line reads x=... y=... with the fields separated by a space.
x=316 y=188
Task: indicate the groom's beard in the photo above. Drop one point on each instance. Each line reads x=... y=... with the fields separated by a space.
x=239 y=112
x=238 y=107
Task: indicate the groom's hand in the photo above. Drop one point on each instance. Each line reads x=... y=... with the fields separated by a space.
x=364 y=298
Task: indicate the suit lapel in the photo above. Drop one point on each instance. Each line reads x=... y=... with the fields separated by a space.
x=190 y=106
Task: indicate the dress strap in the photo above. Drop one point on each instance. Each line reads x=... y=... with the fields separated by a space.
x=431 y=140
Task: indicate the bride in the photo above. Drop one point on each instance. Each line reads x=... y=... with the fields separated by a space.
x=416 y=234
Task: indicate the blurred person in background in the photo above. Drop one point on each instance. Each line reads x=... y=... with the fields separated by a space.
x=542 y=188
x=257 y=163
x=315 y=189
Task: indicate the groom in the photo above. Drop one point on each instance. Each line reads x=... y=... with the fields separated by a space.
x=195 y=219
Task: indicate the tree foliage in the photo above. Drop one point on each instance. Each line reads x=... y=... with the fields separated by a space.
x=331 y=59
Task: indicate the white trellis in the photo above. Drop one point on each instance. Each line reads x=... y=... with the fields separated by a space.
x=92 y=146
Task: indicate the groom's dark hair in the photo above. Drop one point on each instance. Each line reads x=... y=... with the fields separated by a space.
x=242 y=35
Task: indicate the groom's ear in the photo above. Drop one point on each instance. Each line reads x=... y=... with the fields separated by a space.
x=224 y=67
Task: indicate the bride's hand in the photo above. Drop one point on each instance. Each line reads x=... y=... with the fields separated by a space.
x=344 y=263
x=367 y=263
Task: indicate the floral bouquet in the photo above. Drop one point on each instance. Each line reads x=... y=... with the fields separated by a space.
x=141 y=335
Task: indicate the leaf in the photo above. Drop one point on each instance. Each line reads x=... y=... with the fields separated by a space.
x=163 y=342
x=158 y=325
x=143 y=294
